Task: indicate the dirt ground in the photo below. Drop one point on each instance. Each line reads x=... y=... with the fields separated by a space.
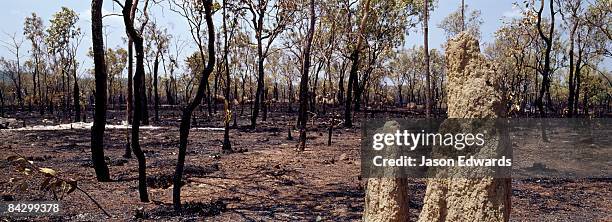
x=269 y=181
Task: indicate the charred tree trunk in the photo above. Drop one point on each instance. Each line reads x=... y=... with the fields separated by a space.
x=235 y=96
x=303 y=112
x=76 y=95
x=264 y=104
x=462 y=15
x=227 y=145
x=545 y=88
x=578 y=81
x=341 y=87
x=260 y=72
x=1 y=104
x=34 y=82
x=139 y=100
x=187 y=111
x=130 y=84
x=428 y=96
x=142 y=92
x=290 y=97
x=216 y=89
x=130 y=95
x=155 y=90
x=348 y=121
x=571 y=84
x=97 y=130
x=169 y=97
x=208 y=97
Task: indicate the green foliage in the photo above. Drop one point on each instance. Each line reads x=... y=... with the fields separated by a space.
x=453 y=23
x=33 y=29
x=389 y=21
x=62 y=30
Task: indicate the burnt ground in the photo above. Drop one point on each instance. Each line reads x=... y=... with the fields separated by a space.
x=268 y=181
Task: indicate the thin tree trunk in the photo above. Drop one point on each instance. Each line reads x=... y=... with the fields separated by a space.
x=138 y=112
x=428 y=96
x=34 y=82
x=1 y=104
x=143 y=93
x=97 y=130
x=545 y=88
x=130 y=84
x=570 y=97
x=76 y=94
x=259 y=97
x=216 y=89
x=348 y=121
x=303 y=112
x=130 y=95
x=227 y=145
x=155 y=90
x=341 y=87
x=209 y=97
x=264 y=104
x=187 y=111
x=462 y=15
x=578 y=83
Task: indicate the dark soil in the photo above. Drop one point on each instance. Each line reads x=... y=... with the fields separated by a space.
x=268 y=181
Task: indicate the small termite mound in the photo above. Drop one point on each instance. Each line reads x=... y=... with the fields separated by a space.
x=386 y=199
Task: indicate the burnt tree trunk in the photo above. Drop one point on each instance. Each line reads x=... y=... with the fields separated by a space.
x=227 y=145
x=130 y=95
x=143 y=93
x=577 y=76
x=1 y=104
x=187 y=111
x=97 y=130
x=155 y=90
x=341 y=87
x=130 y=84
x=428 y=99
x=76 y=94
x=138 y=112
x=260 y=71
x=348 y=121
x=34 y=82
x=572 y=70
x=303 y=112
x=545 y=88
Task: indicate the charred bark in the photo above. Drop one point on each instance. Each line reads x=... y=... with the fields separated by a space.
x=138 y=106
x=187 y=111
x=97 y=130
x=303 y=112
x=155 y=90
x=348 y=121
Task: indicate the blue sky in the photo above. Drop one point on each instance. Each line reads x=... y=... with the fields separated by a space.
x=15 y=11
x=492 y=13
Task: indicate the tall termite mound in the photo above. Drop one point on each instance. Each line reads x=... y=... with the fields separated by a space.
x=474 y=92
x=386 y=198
